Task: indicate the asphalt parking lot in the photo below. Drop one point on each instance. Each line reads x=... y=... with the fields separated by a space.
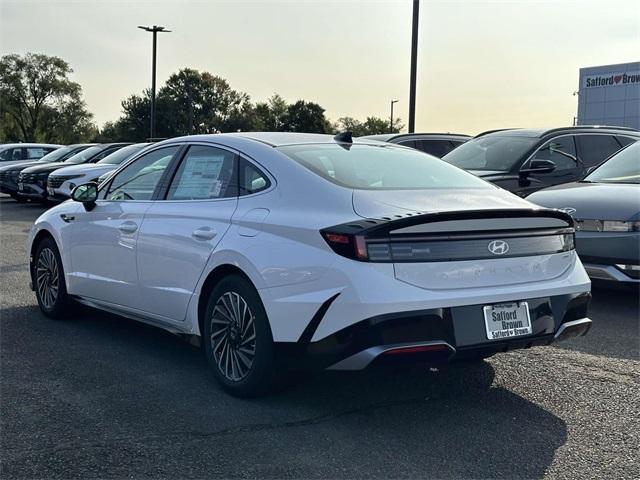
x=101 y=396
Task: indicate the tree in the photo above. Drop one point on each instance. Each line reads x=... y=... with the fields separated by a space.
x=371 y=126
x=306 y=117
x=191 y=102
x=272 y=114
x=35 y=90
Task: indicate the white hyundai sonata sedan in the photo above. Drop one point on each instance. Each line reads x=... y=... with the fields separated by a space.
x=287 y=251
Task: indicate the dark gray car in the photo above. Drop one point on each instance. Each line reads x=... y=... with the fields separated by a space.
x=606 y=208
x=436 y=144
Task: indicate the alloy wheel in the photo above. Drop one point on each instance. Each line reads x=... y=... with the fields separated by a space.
x=47 y=278
x=233 y=336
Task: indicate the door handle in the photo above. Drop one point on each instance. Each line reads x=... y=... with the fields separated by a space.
x=204 y=233
x=128 y=227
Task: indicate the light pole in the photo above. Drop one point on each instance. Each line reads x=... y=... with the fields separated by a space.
x=155 y=29
x=414 y=66
x=391 y=119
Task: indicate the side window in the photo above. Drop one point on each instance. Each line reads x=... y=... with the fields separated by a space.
x=252 y=180
x=36 y=153
x=561 y=151
x=596 y=148
x=138 y=180
x=439 y=148
x=204 y=173
x=624 y=141
x=408 y=143
x=17 y=154
x=7 y=155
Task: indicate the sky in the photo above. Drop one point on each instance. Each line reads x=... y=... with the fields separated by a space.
x=481 y=64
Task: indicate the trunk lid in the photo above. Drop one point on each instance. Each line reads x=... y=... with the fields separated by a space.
x=389 y=203
x=443 y=239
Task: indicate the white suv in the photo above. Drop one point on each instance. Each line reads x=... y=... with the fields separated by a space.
x=287 y=251
x=62 y=181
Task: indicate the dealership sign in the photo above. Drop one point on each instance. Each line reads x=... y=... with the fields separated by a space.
x=612 y=79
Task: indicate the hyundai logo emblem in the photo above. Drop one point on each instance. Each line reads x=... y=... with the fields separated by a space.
x=569 y=210
x=498 y=247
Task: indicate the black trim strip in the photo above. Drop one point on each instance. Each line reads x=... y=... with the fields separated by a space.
x=486 y=234
x=310 y=329
x=381 y=227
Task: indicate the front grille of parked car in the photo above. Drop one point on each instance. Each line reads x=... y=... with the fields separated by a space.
x=27 y=178
x=55 y=182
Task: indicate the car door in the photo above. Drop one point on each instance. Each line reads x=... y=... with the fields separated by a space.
x=568 y=168
x=181 y=230
x=104 y=239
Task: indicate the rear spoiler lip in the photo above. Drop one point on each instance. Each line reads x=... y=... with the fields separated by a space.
x=375 y=227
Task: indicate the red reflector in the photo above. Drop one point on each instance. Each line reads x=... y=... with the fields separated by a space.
x=420 y=348
x=336 y=238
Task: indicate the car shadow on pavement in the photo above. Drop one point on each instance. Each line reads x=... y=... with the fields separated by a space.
x=101 y=396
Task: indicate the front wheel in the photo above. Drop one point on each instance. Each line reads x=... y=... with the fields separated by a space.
x=48 y=279
x=237 y=338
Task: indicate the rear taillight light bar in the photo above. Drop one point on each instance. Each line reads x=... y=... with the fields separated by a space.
x=374 y=240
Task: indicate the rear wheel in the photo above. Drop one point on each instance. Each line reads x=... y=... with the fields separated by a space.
x=237 y=338
x=48 y=279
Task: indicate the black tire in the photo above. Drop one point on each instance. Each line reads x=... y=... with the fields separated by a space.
x=18 y=198
x=227 y=339
x=48 y=272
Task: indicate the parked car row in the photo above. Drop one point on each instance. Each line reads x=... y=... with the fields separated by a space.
x=52 y=177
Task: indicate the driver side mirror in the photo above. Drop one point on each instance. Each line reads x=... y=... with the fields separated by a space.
x=87 y=194
x=539 y=166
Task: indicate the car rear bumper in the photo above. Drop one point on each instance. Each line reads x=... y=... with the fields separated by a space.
x=610 y=256
x=437 y=336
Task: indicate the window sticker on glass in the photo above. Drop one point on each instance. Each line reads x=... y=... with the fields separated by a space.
x=200 y=177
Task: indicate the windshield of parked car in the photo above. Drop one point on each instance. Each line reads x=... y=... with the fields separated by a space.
x=491 y=152
x=119 y=156
x=623 y=167
x=84 y=155
x=57 y=155
x=384 y=167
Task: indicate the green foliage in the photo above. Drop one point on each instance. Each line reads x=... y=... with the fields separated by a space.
x=306 y=117
x=371 y=126
x=39 y=102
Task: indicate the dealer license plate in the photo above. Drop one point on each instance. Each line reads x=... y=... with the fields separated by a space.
x=505 y=320
x=20 y=186
x=50 y=192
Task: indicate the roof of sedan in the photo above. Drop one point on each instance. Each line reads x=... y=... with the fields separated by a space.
x=278 y=139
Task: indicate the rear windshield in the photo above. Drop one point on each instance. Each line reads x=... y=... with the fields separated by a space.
x=119 y=156
x=623 y=167
x=384 y=167
x=493 y=152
